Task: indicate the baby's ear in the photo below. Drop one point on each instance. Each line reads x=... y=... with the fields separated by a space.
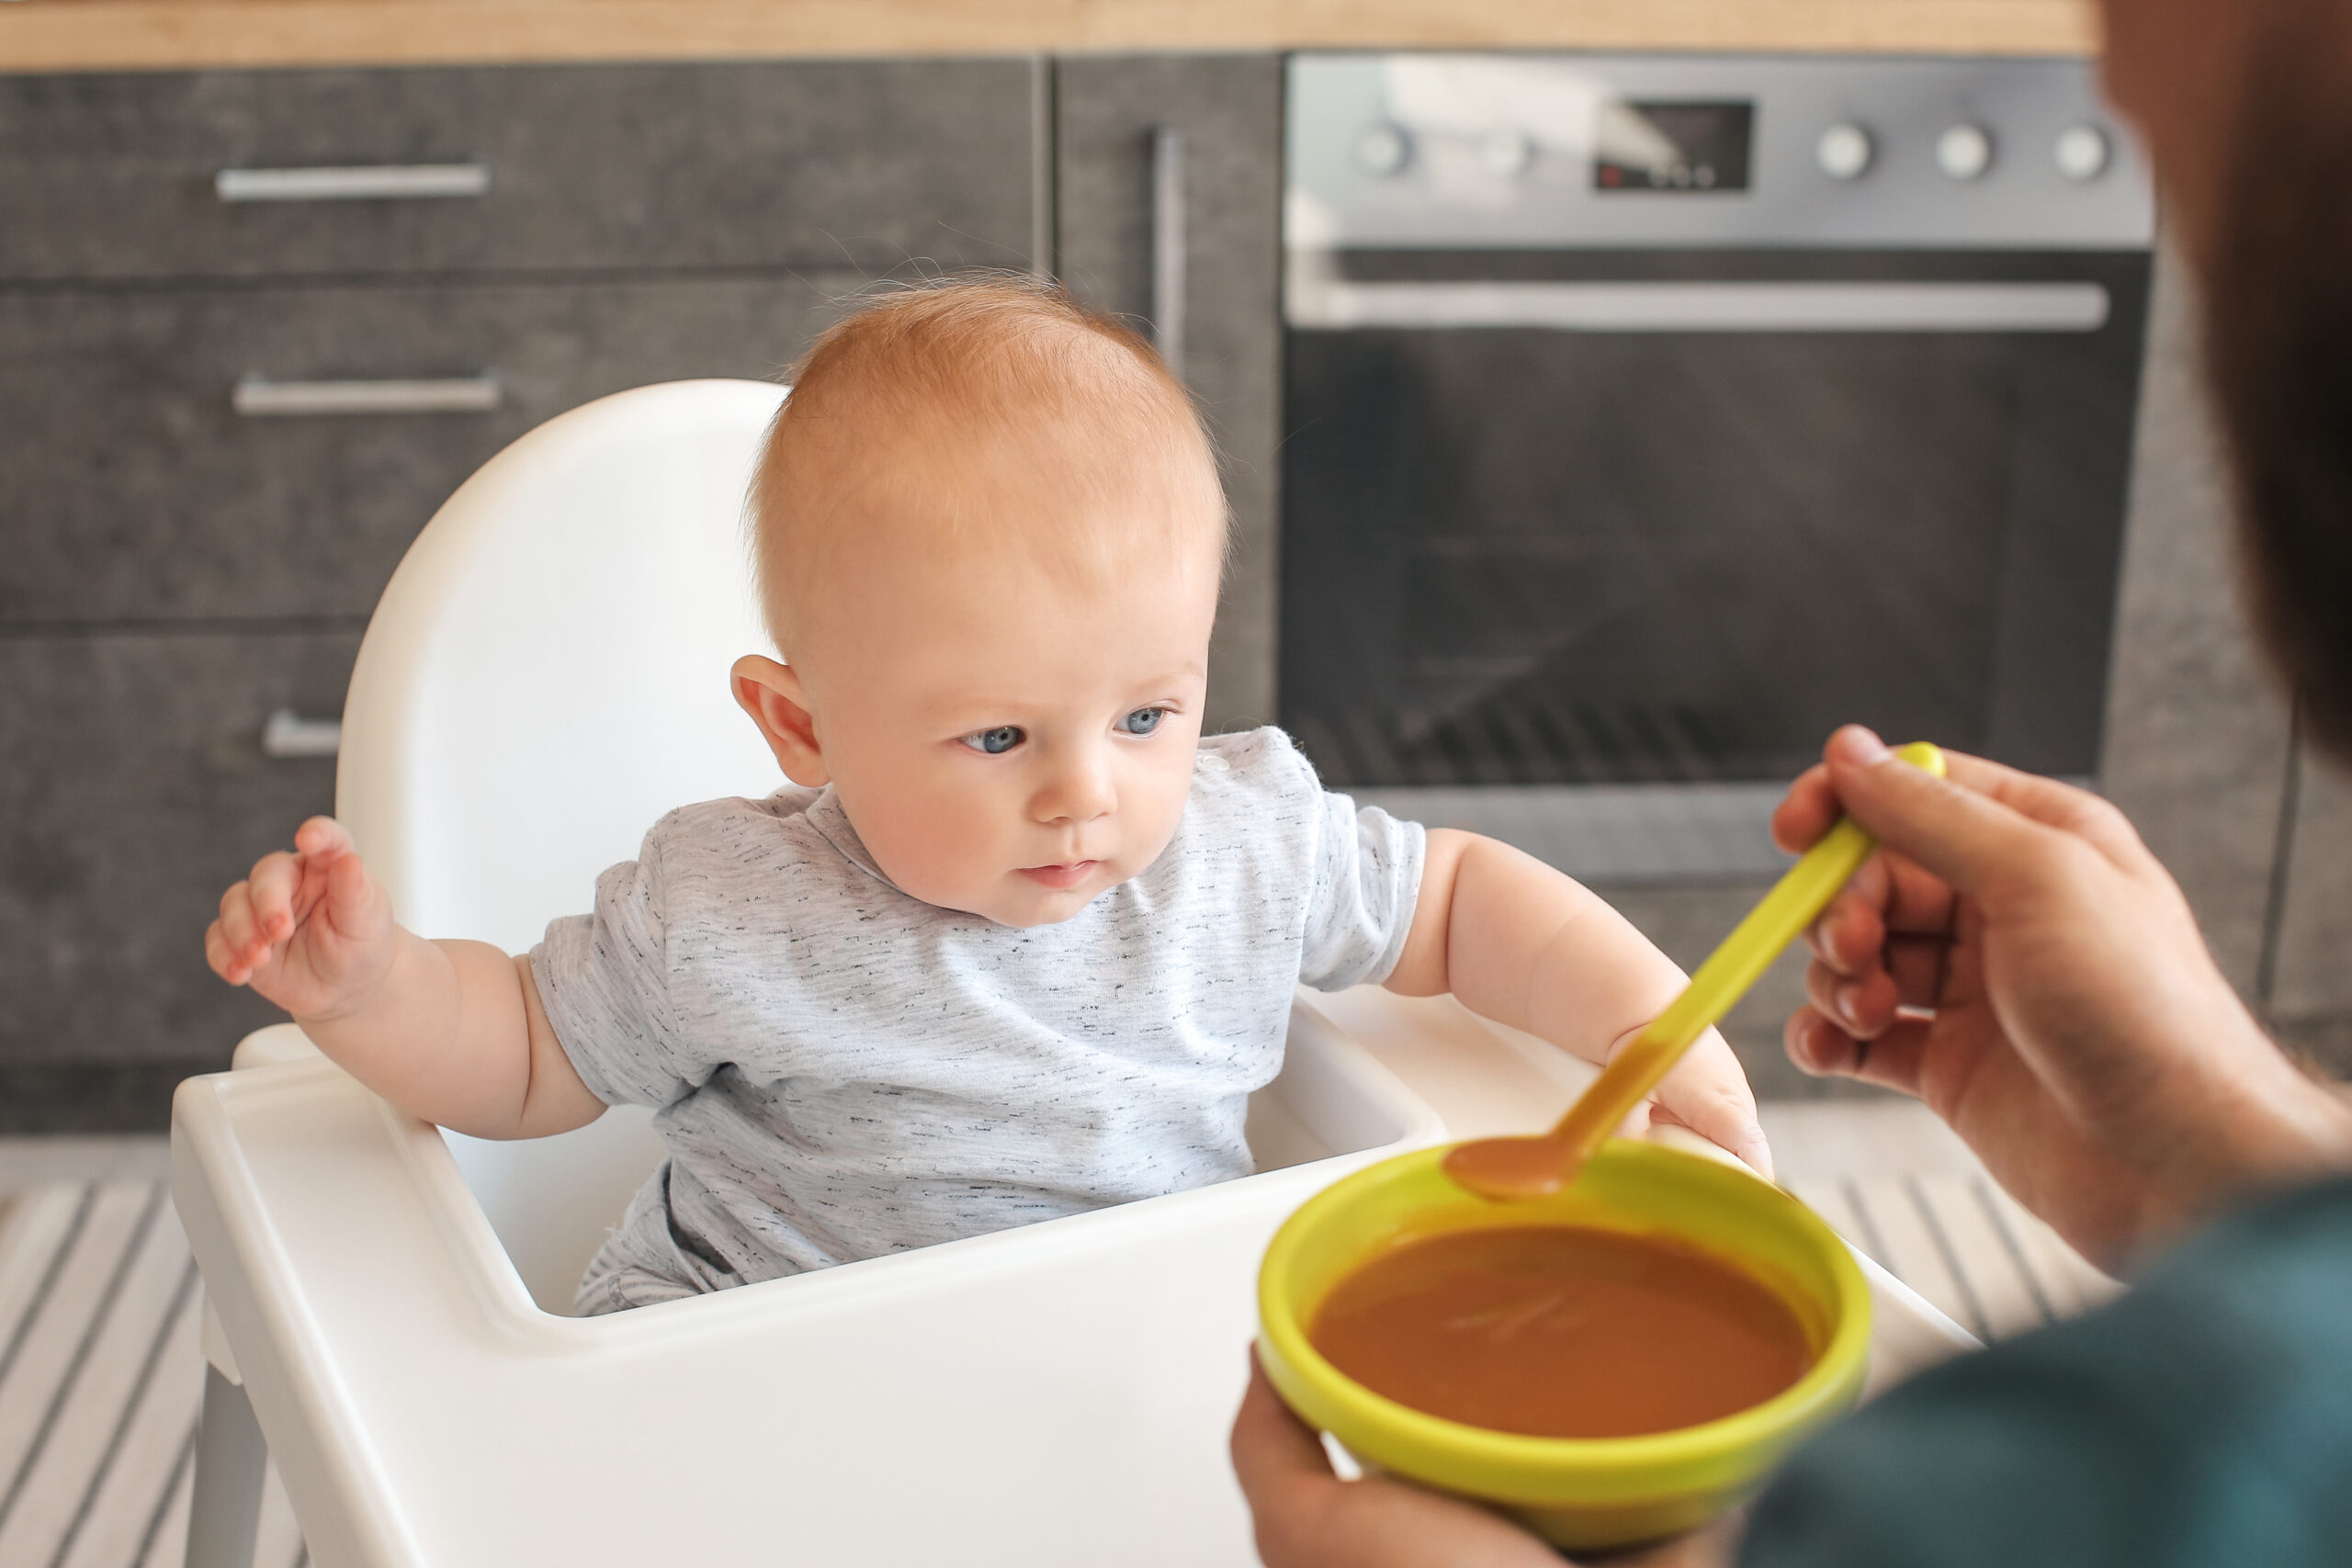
x=771 y=694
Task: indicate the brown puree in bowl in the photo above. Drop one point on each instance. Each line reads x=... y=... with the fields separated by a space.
x=1561 y=1331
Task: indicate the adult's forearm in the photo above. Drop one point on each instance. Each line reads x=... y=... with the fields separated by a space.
x=2272 y=1129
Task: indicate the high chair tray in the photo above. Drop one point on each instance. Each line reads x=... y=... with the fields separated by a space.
x=1054 y=1394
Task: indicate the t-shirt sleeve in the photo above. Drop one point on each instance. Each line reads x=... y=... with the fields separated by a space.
x=1367 y=881
x=604 y=979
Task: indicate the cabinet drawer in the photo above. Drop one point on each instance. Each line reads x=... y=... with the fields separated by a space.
x=859 y=164
x=133 y=790
x=132 y=489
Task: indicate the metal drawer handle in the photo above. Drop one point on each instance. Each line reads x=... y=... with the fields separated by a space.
x=1330 y=304
x=288 y=734
x=1168 y=247
x=258 y=398
x=363 y=182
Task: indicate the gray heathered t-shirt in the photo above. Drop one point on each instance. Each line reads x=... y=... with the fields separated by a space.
x=843 y=1070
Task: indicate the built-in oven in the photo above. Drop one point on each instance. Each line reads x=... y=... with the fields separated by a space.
x=1646 y=418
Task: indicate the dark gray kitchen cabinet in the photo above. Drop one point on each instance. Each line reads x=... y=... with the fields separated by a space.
x=1226 y=111
x=173 y=571
x=133 y=789
x=866 y=164
x=133 y=490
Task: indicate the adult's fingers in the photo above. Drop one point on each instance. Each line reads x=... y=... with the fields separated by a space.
x=1957 y=834
x=1891 y=1060
x=1812 y=804
x=1806 y=811
x=1307 y=1517
x=1284 y=1473
x=1864 y=1006
x=1908 y=972
x=1270 y=1446
x=1981 y=819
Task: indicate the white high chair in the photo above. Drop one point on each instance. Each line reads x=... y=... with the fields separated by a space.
x=389 y=1306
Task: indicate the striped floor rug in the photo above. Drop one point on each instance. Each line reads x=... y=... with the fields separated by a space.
x=101 y=1372
x=100 y=1377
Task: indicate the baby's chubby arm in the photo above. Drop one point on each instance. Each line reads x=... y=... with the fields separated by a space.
x=452 y=1032
x=1526 y=945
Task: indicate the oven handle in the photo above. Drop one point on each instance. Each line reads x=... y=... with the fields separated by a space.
x=1335 y=305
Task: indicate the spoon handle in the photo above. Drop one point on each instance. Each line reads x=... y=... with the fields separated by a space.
x=1795 y=903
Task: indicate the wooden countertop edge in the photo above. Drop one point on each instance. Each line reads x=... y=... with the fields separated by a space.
x=97 y=35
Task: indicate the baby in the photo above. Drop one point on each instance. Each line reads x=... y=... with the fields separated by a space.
x=1018 y=942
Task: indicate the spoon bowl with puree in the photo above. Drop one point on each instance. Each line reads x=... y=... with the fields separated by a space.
x=1508 y=1169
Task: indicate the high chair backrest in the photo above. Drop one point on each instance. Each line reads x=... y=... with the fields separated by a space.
x=545 y=676
x=547 y=672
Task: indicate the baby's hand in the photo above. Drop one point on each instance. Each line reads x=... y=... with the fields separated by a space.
x=311 y=931
x=1708 y=1093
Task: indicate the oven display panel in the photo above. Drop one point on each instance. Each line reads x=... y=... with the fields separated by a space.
x=1684 y=146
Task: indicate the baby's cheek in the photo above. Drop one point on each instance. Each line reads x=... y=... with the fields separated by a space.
x=1152 y=809
x=951 y=852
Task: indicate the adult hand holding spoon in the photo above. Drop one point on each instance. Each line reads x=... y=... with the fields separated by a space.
x=1505 y=1168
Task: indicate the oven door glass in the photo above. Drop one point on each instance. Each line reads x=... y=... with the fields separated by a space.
x=1530 y=553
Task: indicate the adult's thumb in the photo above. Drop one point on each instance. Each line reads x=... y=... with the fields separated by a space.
x=1955 y=831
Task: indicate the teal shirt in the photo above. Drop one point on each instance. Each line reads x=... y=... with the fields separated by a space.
x=2205 y=1417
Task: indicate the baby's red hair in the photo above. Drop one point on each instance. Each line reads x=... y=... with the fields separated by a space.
x=1008 y=369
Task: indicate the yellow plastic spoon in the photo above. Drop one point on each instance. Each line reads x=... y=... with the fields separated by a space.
x=1503 y=1168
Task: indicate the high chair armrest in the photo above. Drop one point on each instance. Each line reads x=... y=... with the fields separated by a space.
x=268 y=1047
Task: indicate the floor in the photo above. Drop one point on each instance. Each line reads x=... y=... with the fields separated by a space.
x=100 y=1308
x=100 y=1370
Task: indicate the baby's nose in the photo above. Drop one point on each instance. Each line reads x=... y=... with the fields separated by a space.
x=1079 y=791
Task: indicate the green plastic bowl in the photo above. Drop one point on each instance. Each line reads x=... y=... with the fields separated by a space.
x=1580 y=1494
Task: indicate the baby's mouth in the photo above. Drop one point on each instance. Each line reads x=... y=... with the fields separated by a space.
x=1060 y=876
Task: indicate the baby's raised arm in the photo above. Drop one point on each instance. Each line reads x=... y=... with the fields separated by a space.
x=1524 y=944
x=452 y=1032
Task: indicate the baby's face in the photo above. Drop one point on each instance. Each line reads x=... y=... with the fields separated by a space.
x=1008 y=740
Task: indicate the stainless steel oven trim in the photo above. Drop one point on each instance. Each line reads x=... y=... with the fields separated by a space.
x=1439 y=115
x=1333 y=305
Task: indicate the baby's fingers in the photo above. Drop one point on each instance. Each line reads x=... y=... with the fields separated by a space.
x=322 y=839
x=275 y=889
x=245 y=944
x=1708 y=1093
x=224 y=960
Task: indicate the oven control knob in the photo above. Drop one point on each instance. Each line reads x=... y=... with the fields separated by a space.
x=1506 y=152
x=1844 y=151
x=2081 y=153
x=1964 y=152
x=1382 y=149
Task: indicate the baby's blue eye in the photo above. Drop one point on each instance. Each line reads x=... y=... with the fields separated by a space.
x=1003 y=737
x=1143 y=721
